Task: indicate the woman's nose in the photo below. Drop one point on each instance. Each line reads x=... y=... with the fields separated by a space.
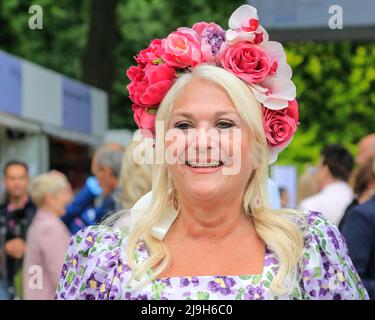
x=204 y=138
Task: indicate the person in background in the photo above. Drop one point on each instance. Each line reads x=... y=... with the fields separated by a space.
x=47 y=237
x=284 y=197
x=307 y=184
x=358 y=227
x=364 y=187
x=16 y=214
x=332 y=175
x=135 y=177
x=366 y=152
x=100 y=193
x=366 y=149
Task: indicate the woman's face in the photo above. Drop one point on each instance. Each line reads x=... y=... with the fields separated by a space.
x=211 y=142
x=59 y=201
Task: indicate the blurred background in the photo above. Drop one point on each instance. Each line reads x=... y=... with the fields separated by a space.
x=63 y=86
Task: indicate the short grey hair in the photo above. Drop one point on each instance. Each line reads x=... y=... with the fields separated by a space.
x=110 y=157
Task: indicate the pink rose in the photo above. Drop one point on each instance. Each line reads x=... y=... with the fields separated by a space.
x=149 y=85
x=151 y=55
x=145 y=119
x=182 y=48
x=280 y=125
x=247 y=61
x=211 y=36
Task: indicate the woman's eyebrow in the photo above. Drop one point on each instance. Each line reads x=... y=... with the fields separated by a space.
x=222 y=113
x=183 y=114
x=191 y=116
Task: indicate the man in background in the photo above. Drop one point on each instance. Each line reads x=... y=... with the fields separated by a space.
x=99 y=195
x=366 y=149
x=16 y=214
x=333 y=171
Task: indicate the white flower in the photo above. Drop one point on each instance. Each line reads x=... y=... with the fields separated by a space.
x=277 y=89
x=274 y=93
x=276 y=53
x=244 y=26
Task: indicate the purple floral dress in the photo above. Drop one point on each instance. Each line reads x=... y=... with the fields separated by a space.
x=96 y=268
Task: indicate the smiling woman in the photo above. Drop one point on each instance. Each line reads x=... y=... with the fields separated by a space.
x=208 y=232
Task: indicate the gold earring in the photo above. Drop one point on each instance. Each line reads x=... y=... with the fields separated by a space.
x=175 y=199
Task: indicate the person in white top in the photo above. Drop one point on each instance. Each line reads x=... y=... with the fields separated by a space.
x=332 y=174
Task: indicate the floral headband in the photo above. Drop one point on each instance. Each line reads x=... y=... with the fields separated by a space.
x=244 y=50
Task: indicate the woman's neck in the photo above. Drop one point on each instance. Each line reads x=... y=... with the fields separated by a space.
x=48 y=209
x=202 y=220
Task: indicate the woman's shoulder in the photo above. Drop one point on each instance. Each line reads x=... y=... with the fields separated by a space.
x=327 y=271
x=91 y=264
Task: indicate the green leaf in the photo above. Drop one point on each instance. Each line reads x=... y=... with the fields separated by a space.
x=269 y=276
x=203 y=295
x=83 y=287
x=317 y=272
x=244 y=277
x=324 y=243
x=240 y=294
x=296 y=293
x=256 y=279
x=70 y=277
x=157 y=61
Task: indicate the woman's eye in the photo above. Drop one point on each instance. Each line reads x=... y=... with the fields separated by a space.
x=182 y=125
x=225 y=125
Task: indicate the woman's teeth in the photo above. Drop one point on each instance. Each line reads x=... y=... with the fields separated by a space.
x=204 y=165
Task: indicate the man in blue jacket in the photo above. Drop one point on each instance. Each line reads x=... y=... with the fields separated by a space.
x=99 y=195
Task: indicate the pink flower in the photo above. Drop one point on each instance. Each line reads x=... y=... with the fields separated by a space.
x=152 y=54
x=211 y=36
x=182 y=48
x=244 y=26
x=280 y=125
x=145 y=119
x=150 y=84
x=246 y=61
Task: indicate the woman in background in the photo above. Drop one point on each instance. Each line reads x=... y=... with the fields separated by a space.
x=135 y=177
x=47 y=237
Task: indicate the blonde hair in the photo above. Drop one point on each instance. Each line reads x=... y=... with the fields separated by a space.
x=135 y=178
x=307 y=185
x=46 y=183
x=278 y=228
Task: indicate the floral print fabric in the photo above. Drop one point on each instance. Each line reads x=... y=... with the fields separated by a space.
x=96 y=268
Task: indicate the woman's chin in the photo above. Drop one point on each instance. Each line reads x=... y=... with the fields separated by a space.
x=204 y=191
